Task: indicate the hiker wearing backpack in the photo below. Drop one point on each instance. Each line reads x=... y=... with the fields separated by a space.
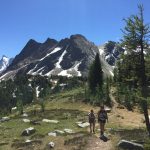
x=102 y=117
x=92 y=121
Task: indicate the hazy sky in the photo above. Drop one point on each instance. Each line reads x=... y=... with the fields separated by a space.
x=98 y=20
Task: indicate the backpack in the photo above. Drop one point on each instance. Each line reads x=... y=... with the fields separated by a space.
x=91 y=117
x=102 y=115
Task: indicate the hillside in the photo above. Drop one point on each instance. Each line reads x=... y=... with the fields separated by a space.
x=67 y=107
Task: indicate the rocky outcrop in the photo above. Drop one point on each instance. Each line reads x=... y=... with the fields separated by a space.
x=83 y=124
x=111 y=52
x=28 y=131
x=51 y=145
x=50 y=121
x=3 y=119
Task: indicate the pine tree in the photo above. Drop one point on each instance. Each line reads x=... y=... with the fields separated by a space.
x=135 y=39
x=95 y=77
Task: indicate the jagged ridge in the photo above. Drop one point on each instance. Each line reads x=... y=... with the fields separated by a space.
x=68 y=57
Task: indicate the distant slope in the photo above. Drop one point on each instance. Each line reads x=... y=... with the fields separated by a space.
x=111 y=51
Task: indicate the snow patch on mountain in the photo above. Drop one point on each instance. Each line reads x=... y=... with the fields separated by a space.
x=76 y=68
x=39 y=71
x=54 y=51
x=125 y=52
x=64 y=73
x=107 y=57
x=71 y=71
x=37 y=91
x=4 y=63
x=60 y=59
x=1 y=78
x=101 y=51
x=32 y=70
x=111 y=73
x=49 y=73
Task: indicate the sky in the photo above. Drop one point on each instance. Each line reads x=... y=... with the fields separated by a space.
x=98 y=20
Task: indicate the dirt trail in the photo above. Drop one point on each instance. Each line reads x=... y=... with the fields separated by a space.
x=94 y=143
x=119 y=117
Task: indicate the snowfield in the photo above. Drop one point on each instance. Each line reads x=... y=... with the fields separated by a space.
x=54 y=51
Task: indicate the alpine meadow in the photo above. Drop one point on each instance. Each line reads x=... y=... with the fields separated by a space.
x=69 y=92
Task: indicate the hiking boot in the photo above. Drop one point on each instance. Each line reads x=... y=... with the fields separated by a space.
x=101 y=137
x=102 y=133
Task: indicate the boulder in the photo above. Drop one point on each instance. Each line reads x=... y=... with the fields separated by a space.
x=34 y=122
x=28 y=131
x=83 y=124
x=128 y=145
x=51 y=145
x=52 y=134
x=70 y=131
x=25 y=115
x=25 y=120
x=4 y=119
x=28 y=141
x=108 y=110
x=59 y=132
x=50 y=121
x=14 y=108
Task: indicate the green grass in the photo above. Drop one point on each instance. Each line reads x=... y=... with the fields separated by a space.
x=61 y=107
x=66 y=107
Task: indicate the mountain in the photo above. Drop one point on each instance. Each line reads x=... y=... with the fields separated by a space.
x=68 y=57
x=4 y=63
x=110 y=52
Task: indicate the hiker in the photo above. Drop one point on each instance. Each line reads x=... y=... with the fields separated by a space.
x=102 y=117
x=92 y=121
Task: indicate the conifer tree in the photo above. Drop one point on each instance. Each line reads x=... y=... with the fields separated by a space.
x=135 y=38
x=95 y=77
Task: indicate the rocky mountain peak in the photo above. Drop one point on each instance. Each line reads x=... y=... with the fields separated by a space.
x=68 y=57
x=77 y=36
x=5 y=58
x=50 y=41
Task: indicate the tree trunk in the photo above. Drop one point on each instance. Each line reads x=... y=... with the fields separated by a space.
x=144 y=89
x=145 y=110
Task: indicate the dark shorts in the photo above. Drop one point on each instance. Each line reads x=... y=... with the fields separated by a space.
x=91 y=121
x=102 y=121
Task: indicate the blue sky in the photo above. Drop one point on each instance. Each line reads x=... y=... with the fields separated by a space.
x=98 y=20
